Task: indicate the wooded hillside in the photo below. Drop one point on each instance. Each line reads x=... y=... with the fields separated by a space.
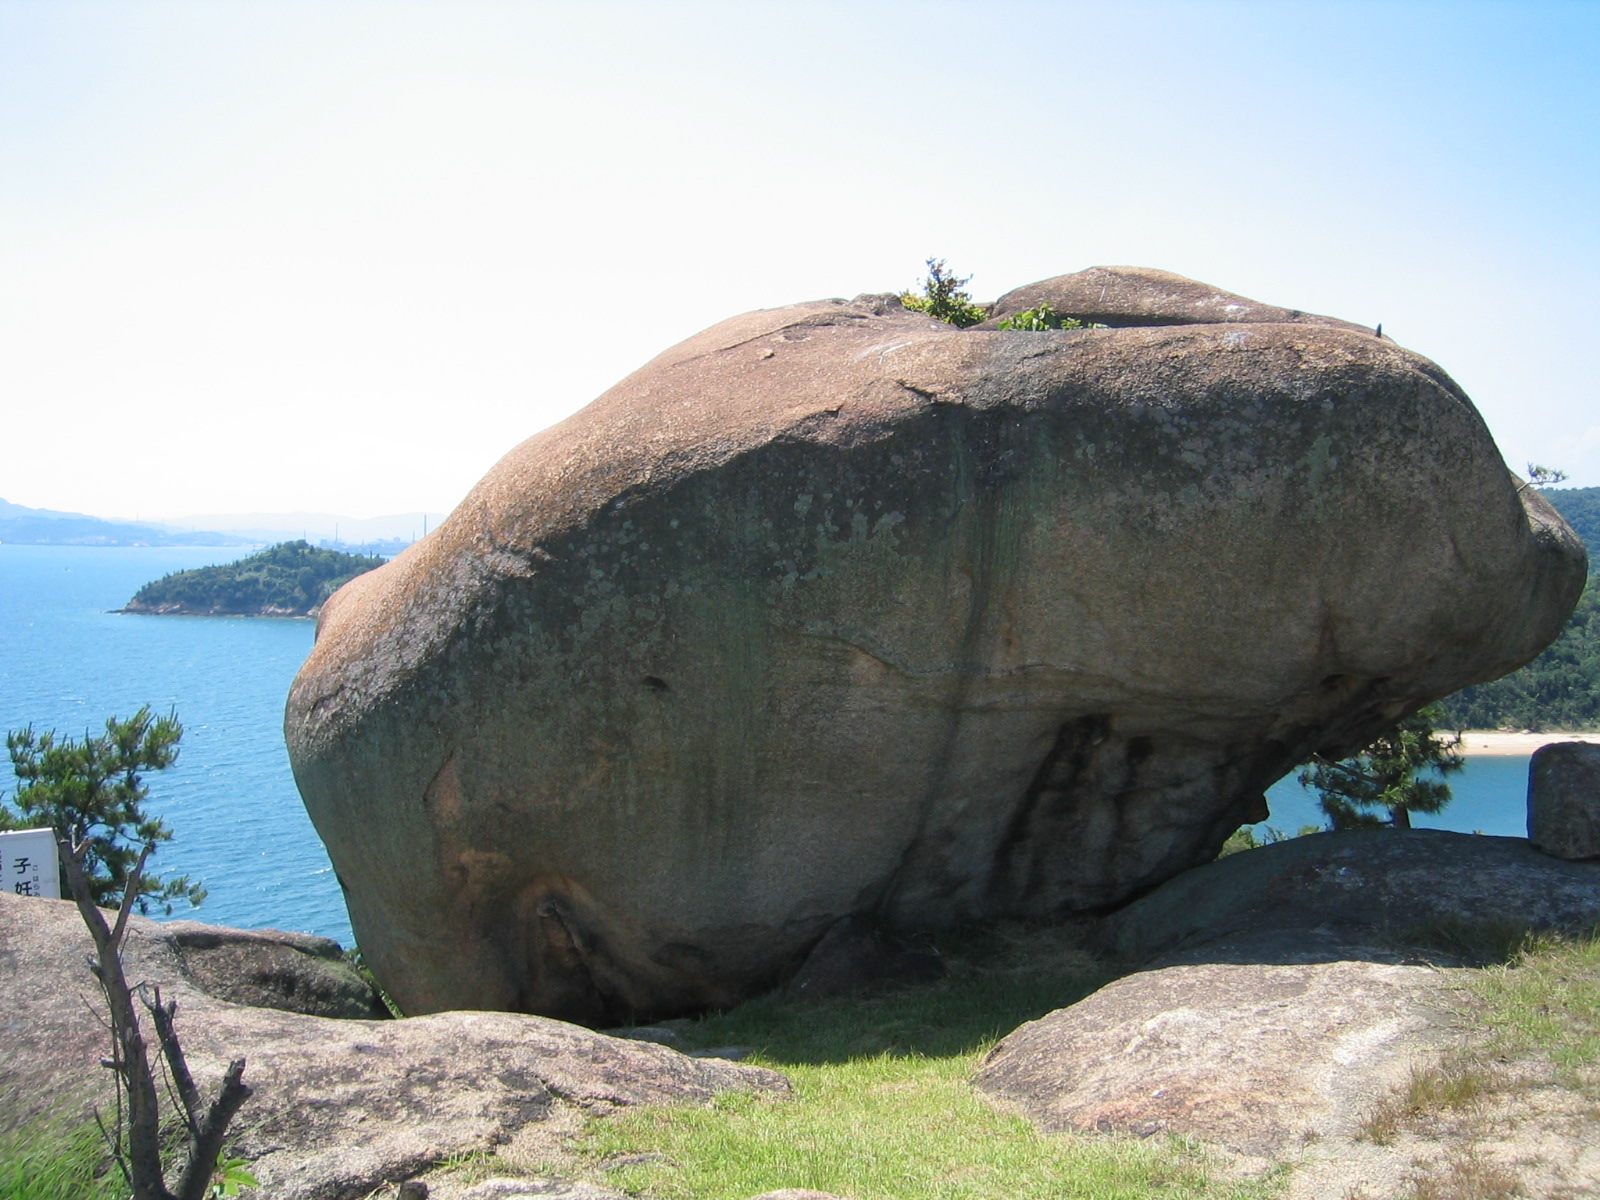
x=286 y=580
x=1561 y=688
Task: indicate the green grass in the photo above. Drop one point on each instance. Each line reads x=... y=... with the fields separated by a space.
x=1546 y=1002
x=45 y=1160
x=883 y=1109
x=1535 y=998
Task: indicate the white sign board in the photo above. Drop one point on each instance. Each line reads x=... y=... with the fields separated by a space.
x=28 y=865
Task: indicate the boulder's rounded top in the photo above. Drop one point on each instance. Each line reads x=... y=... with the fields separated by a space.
x=1122 y=296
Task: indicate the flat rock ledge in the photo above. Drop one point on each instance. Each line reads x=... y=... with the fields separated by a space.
x=1280 y=1042
x=1287 y=991
x=340 y=1107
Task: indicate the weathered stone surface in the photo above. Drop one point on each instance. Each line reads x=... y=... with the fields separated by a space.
x=296 y=972
x=1564 y=799
x=1388 y=880
x=339 y=1107
x=1122 y=296
x=1261 y=1043
x=835 y=609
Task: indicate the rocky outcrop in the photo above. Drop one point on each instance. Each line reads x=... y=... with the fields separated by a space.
x=834 y=609
x=1564 y=800
x=296 y=972
x=1262 y=1042
x=1294 y=989
x=340 y=1107
x=1119 y=297
x=1392 y=882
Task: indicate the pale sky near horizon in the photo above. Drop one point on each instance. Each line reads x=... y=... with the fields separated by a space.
x=341 y=256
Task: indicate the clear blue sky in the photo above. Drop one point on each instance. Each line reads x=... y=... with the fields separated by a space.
x=342 y=256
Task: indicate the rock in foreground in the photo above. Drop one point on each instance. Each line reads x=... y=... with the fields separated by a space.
x=1261 y=1042
x=1302 y=988
x=1564 y=800
x=835 y=609
x=340 y=1107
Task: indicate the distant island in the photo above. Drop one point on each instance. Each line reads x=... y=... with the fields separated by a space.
x=291 y=579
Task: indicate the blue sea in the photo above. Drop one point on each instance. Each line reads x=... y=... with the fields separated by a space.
x=67 y=662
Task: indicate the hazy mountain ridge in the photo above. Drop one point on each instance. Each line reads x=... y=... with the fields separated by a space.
x=20 y=524
x=308 y=526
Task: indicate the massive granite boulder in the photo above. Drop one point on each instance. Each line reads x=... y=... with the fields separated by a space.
x=835 y=609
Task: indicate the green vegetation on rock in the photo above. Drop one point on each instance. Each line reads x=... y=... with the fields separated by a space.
x=944 y=296
x=289 y=579
x=1044 y=317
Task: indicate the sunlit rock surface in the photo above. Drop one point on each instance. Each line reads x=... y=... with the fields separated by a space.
x=834 y=609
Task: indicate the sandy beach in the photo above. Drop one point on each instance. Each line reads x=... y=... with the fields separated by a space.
x=1496 y=741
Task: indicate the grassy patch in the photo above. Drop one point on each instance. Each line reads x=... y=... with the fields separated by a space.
x=1459 y=1083
x=47 y=1160
x=882 y=1107
x=1540 y=1003
x=1545 y=1002
x=888 y=1126
x=1466 y=1173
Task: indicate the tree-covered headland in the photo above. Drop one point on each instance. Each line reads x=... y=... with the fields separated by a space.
x=291 y=579
x=1561 y=688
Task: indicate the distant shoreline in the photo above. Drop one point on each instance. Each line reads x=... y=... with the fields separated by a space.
x=199 y=612
x=1477 y=743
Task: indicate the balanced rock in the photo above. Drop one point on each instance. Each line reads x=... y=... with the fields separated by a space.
x=835 y=609
x=1564 y=799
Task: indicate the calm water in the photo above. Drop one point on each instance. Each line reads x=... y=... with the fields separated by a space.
x=66 y=663
x=1488 y=795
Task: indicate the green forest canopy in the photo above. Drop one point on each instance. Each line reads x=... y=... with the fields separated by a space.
x=1561 y=688
x=291 y=577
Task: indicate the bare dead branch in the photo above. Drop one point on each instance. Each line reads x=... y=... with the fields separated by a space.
x=182 y=1081
x=207 y=1146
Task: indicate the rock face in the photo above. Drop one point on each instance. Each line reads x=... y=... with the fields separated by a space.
x=835 y=609
x=340 y=1107
x=1378 y=881
x=1290 y=994
x=272 y=969
x=1261 y=1043
x=1564 y=799
x=1118 y=297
